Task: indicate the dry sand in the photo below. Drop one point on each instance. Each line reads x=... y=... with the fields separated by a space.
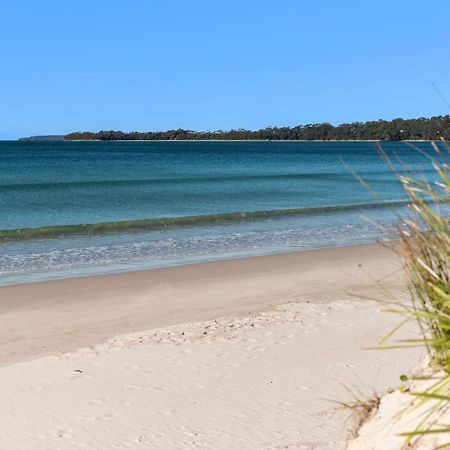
x=240 y=354
x=400 y=412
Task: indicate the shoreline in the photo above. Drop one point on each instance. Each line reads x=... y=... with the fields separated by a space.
x=54 y=317
x=111 y=269
x=240 y=140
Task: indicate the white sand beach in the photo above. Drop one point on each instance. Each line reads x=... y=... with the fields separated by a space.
x=248 y=354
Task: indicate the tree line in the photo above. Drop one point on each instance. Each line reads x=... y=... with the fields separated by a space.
x=393 y=130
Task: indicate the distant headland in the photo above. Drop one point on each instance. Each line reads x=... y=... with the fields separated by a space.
x=52 y=137
x=432 y=128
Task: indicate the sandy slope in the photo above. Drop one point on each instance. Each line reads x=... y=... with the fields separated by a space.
x=400 y=412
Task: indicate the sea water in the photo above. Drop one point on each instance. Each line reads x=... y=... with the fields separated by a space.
x=80 y=208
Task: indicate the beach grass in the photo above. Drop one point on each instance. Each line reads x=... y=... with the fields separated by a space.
x=425 y=251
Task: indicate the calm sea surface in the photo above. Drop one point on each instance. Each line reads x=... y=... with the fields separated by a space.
x=237 y=199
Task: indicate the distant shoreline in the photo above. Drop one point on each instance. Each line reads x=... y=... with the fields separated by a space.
x=245 y=140
x=427 y=129
x=396 y=130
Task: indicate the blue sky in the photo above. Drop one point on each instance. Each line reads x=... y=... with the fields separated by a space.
x=209 y=64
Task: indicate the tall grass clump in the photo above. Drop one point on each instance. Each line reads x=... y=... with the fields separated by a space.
x=425 y=250
x=425 y=247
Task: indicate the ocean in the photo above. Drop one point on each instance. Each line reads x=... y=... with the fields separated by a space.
x=82 y=208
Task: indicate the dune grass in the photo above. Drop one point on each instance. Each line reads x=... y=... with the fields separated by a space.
x=425 y=251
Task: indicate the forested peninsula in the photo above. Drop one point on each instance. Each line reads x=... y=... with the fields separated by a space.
x=393 y=130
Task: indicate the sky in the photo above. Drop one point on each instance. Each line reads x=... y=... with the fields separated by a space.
x=150 y=65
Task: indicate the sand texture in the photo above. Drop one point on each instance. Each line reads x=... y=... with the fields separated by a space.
x=232 y=355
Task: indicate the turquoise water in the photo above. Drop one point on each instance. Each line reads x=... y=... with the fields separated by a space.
x=71 y=208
